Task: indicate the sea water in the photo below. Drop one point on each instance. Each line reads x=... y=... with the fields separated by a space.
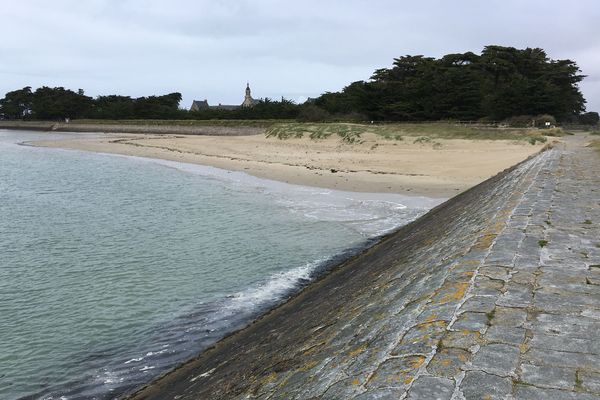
x=115 y=269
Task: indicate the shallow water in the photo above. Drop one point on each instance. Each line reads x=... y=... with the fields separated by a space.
x=114 y=269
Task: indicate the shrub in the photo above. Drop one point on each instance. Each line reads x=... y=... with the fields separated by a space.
x=520 y=121
x=589 y=118
x=535 y=139
x=312 y=113
x=541 y=120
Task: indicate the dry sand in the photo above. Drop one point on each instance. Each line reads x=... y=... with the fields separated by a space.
x=440 y=168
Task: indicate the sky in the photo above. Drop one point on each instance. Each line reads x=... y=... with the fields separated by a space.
x=209 y=49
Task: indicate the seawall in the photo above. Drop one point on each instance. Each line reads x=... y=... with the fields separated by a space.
x=494 y=294
x=213 y=130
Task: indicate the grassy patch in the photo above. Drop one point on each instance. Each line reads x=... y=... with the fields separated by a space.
x=391 y=136
x=422 y=140
x=286 y=132
x=490 y=316
x=522 y=383
x=578 y=381
x=542 y=243
x=535 y=139
x=555 y=132
x=351 y=132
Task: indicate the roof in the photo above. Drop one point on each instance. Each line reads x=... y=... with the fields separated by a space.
x=199 y=104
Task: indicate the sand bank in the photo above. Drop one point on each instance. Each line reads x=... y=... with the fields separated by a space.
x=439 y=168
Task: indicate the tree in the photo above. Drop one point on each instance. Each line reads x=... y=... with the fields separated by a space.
x=157 y=107
x=113 y=107
x=589 y=118
x=500 y=83
x=59 y=103
x=16 y=104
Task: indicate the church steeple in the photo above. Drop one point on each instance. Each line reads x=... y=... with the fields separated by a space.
x=248 y=100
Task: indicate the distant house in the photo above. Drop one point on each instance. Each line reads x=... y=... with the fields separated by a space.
x=199 y=105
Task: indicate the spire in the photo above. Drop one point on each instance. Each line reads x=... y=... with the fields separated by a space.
x=248 y=100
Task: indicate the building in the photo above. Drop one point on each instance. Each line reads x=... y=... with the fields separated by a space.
x=199 y=105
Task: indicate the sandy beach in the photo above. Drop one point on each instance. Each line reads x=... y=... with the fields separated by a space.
x=437 y=168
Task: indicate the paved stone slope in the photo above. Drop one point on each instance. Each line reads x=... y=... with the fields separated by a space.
x=494 y=295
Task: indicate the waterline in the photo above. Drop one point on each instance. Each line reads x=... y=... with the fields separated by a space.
x=115 y=268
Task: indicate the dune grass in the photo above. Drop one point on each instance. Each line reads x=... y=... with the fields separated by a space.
x=352 y=132
x=421 y=132
x=349 y=133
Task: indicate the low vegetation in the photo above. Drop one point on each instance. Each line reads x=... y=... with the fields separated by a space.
x=349 y=133
x=418 y=132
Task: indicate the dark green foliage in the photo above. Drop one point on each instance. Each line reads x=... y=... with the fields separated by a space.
x=263 y=109
x=312 y=113
x=59 y=103
x=500 y=83
x=589 y=118
x=113 y=107
x=159 y=107
x=16 y=104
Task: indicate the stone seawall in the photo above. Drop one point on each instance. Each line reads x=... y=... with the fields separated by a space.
x=492 y=295
x=212 y=130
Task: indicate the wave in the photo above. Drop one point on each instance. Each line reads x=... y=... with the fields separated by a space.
x=370 y=214
x=181 y=338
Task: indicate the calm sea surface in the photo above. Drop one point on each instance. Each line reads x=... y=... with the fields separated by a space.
x=114 y=269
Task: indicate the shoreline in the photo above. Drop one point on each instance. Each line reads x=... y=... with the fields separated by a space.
x=441 y=169
x=340 y=201
x=283 y=350
x=418 y=314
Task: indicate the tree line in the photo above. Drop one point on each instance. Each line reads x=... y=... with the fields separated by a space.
x=58 y=103
x=500 y=83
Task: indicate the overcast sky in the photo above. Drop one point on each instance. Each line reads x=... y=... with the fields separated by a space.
x=208 y=49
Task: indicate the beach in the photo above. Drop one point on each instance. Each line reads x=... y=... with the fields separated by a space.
x=433 y=168
x=464 y=302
